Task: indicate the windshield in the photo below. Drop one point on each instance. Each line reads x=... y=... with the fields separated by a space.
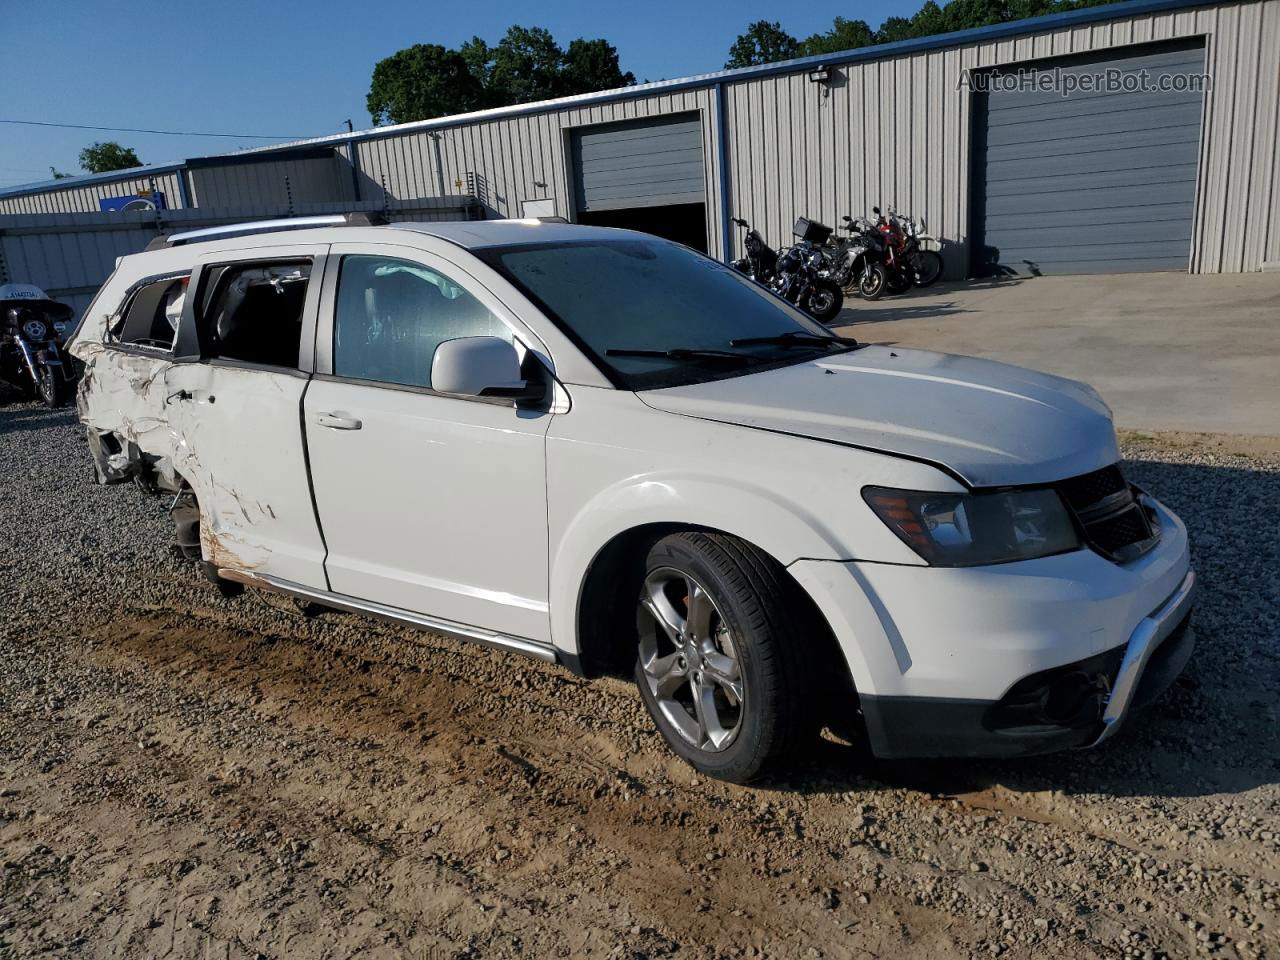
x=684 y=313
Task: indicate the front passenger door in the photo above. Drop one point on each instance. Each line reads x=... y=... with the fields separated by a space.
x=429 y=503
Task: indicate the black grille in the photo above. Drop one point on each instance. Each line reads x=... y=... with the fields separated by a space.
x=1111 y=534
x=1114 y=522
x=1084 y=491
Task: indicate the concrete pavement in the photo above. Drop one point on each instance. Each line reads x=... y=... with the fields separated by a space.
x=1168 y=351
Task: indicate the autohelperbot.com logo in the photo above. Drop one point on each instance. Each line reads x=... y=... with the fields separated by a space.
x=1065 y=83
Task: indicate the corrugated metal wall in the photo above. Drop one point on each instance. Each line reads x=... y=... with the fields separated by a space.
x=260 y=183
x=520 y=158
x=85 y=199
x=894 y=131
x=898 y=132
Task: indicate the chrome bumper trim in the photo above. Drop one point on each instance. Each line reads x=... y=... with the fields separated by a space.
x=1146 y=637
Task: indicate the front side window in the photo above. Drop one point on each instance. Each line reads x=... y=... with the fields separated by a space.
x=392 y=314
x=150 y=315
x=252 y=312
x=629 y=303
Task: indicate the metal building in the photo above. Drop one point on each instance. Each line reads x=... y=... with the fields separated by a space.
x=1013 y=180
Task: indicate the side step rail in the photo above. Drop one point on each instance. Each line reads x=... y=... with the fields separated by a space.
x=489 y=638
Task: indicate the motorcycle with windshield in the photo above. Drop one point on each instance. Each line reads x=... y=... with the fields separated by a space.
x=33 y=334
x=910 y=263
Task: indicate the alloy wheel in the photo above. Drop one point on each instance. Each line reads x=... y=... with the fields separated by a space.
x=689 y=660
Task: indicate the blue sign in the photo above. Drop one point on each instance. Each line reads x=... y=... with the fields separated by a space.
x=145 y=200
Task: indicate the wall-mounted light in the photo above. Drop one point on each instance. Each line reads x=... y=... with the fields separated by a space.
x=821 y=74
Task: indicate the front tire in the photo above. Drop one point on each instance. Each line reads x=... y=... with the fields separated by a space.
x=719 y=668
x=824 y=301
x=50 y=388
x=872 y=282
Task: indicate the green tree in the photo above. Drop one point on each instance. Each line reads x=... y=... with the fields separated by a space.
x=527 y=66
x=428 y=80
x=421 y=82
x=105 y=157
x=591 y=65
x=764 y=42
x=843 y=35
x=478 y=56
x=767 y=42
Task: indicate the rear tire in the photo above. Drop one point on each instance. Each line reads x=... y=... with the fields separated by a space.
x=927 y=267
x=720 y=666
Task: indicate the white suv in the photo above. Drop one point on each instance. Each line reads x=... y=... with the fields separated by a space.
x=605 y=450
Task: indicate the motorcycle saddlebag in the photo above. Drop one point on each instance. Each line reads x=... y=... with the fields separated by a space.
x=811 y=230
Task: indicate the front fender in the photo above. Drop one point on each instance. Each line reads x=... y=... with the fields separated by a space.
x=784 y=530
x=616 y=464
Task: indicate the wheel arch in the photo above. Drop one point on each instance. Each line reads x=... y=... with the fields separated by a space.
x=605 y=613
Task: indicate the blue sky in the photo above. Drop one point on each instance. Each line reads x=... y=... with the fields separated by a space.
x=298 y=69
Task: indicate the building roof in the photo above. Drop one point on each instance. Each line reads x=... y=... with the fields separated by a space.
x=882 y=51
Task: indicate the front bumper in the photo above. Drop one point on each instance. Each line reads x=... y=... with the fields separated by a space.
x=1076 y=705
x=1011 y=659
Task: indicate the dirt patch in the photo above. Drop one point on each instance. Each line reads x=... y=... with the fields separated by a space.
x=183 y=775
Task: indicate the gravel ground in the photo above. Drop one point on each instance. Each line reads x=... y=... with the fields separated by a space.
x=191 y=776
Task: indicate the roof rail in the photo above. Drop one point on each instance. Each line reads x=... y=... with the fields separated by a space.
x=266 y=226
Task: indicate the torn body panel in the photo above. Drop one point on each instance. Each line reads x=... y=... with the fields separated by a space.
x=121 y=402
x=239 y=445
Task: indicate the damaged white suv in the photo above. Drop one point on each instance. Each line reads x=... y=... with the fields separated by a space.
x=605 y=450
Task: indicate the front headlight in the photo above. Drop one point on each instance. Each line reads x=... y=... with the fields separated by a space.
x=969 y=529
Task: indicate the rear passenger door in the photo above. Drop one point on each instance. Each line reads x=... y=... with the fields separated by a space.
x=244 y=355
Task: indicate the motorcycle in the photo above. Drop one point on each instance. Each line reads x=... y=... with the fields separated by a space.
x=761 y=259
x=909 y=262
x=33 y=333
x=858 y=260
x=793 y=273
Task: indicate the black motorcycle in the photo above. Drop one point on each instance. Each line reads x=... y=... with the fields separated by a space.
x=793 y=273
x=858 y=260
x=761 y=259
x=33 y=333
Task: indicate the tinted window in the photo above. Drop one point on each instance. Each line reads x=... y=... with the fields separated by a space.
x=150 y=316
x=651 y=294
x=392 y=314
x=253 y=312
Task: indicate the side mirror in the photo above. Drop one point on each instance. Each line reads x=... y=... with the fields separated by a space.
x=480 y=367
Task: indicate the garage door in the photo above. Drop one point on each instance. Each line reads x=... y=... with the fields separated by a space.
x=640 y=163
x=1091 y=182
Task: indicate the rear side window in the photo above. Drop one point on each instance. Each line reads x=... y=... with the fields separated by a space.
x=252 y=312
x=150 y=314
x=392 y=314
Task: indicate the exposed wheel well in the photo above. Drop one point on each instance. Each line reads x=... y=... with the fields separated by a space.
x=607 y=636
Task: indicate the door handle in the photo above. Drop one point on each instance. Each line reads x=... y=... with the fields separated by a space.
x=338 y=420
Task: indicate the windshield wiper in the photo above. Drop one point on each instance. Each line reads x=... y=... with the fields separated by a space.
x=796 y=338
x=684 y=353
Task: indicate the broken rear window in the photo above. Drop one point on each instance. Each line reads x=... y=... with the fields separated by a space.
x=253 y=312
x=151 y=314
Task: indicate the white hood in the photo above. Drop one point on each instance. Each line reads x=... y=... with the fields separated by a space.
x=989 y=423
